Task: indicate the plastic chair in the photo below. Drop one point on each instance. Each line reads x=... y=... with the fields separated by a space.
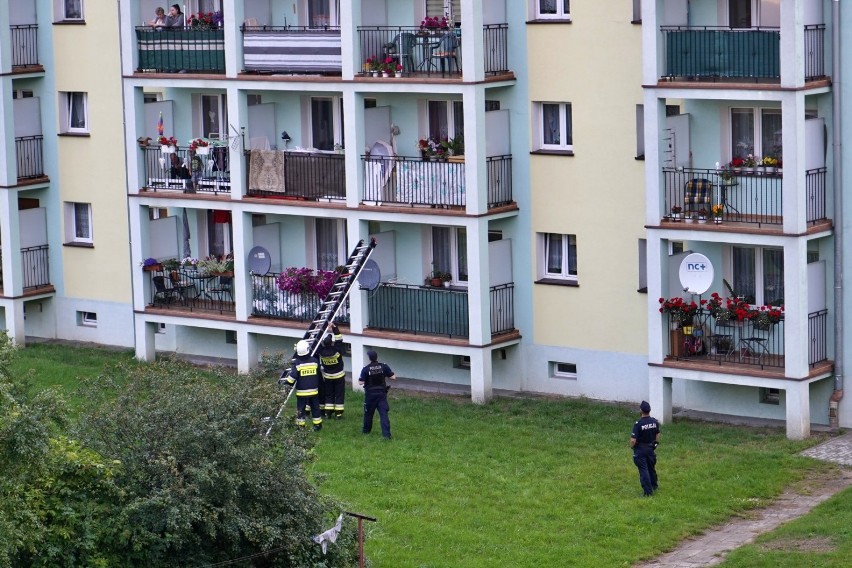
x=445 y=52
x=224 y=288
x=163 y=295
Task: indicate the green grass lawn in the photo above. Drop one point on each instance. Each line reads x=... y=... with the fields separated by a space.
x=532 y=482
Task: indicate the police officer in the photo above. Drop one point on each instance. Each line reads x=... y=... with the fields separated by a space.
x=644 y=439
x=376 y=393
x=331 y=361
x=305 y=375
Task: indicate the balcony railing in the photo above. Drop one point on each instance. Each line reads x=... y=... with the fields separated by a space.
x=29 y=151
x=814 y=52
x=502 y=299
x=181 y=50
x=295 y=175
x=270 y=301
x=24 y=45
x=420 y=52
x=292 y=49
x=415 y=181
x=163 y=172
x=817 y=337
x=36 y=265
x=713 y=52
x=748 y=197
x=189 y=290
x=495 y=41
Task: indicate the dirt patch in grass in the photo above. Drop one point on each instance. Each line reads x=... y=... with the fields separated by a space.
x=813 y=544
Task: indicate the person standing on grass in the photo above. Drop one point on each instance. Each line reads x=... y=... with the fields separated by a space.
x=376 y=393
x=331 y=360
x=305 y=376
x=644 y=440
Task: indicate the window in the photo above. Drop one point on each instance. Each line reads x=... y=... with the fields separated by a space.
x=22 y=94
x=219 y=232
x=72 y=9
x=563 y=370
x=78 y=223
x=558 y=256
x=74 y=114
x=640 y=132
x=643 y=266
x=445 y=119
x=758 y=275
x=552 y=10
x=230 y=336
x=676 y=247
x=554 y=125
x=326 y=125
x=87 y=319
x=451 y=9
x=329 y=239
x=449 y=252
x=322 y=13
x=748 y=13
x=213 y=116
x=770 y=396
x=461 y=361
x=637 y=12
x=756 y=131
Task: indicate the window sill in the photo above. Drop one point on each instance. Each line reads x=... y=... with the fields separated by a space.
x=550 y=21
x=643 y=290
x=70 y=23
x=558 y=282
x=640 y=158
x=637 y=22
x=79 y=245
x=552 y=152
x=75 y=134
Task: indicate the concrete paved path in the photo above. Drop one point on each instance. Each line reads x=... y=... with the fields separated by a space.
x=710 y=548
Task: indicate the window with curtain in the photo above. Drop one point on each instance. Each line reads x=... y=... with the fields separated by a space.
x=741 y=13
x=319 y=13
x=73 y=9
x=555 y=126
x=560 y=255
x=322 y=123
x=445 y=119
x=758 y=275
x=761 y=136
x=328 y=251
x=214 y=116
x=219 y=232
x=449 y=8
x=78 y=222
x=553 y=9
x=449 y=252
x=74 y=113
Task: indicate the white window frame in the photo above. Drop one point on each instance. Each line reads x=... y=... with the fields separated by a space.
x=757 y=141
x=449 y=8
x=565 y=110
x=451 y=111
x=333 y=16
x=561 y=370
x=313 y=249
x=560 y=14
x=66 y=110
x=759 y=283
x=543 y=242
x=71 y=235
x=757 y=15
x=87 y=319
x=455 y=269
x=222 y=113
x=63 y=9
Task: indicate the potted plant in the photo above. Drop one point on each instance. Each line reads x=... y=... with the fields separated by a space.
x=171 y=264
x=387 y=66
x=200 y=146
x=398 y=70
x=151 y=265
x=717 y=210
x=736 y=164
x=680 y=311
x=217 y=265
x=765 y=317
x=676 y=209
x=770 y=164
x=440 y=278
x=433 y=24
x=427 y=147
x=749 y=163
x=167 y=144
x=373 y=65
x=702 y=215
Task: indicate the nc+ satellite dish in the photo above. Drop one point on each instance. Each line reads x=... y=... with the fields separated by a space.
x=696 y=273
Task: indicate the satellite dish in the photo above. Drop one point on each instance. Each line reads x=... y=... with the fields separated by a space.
x=696 y=273
x=370 y=275
x=259 y=261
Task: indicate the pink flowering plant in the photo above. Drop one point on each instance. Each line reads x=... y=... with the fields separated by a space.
x=434 y=23
x=306 y=281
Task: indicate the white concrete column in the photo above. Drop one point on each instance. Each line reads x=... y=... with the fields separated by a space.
x=475 y=175
x=350 y=19
x=233 y=40
x=359 y=360
x=655 y=121
x=472 y=53
x=660 y=397
x=792 y=44
x=140 y=239
x=15 y=324
x=478 y=293
x=145 y=339
x=243 y=242
x=10 y=233
x=794 y=196
x=656 y=255
x=480 y=376
x=798 y=410
x=246 y=351
x=353 y=139
x=355 y=231
x=238 y=116
x=795 y=340
x=9 y=174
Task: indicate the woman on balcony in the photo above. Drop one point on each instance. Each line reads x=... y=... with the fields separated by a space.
x=175 y=19
x=159 y=18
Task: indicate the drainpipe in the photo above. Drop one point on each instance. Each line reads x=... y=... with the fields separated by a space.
x=836 y=91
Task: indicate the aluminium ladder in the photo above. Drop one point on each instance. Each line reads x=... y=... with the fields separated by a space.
x=332 y=302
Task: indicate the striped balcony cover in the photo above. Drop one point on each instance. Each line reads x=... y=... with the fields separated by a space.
x=292 y=51
x=182 y=50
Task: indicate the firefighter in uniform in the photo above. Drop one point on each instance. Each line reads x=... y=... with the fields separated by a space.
x=305 y=375
x=644 y=440
x=376 y=393
x=331 y=361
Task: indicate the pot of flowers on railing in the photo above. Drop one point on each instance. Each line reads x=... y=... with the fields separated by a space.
x=676 y=209
x=428 y=148
x=716 y=211
x=205 y=20
x=681 y=312
x=200 y=146
x=769 y=164
x=736 y=165
x=750 y=164
x=221 y=265
x=764 y=317
x=431 y=25
x=168 y=144
x=726 y=173
x=152 y=265
x=373 y=66
x=440 y=278
x=455 y=148
x=305 y=290
x=702 y=215
x=397 y=70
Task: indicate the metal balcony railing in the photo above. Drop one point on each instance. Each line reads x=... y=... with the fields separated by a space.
x=36 y=266
x=180 y=50
x=817 y=337
x=24 y=45
x=495 y=42
x=172 y=170
x=295 y=175
x=420 y=52
x=714 y=52
x=29 y=152
x=502 y=299
x=270 y=301
x=814 y=52
x=292 y=49
x=190 y=290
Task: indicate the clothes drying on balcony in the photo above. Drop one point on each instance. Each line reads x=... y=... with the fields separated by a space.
x=697 y=190
x=292 y=51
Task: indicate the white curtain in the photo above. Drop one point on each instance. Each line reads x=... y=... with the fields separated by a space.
x=326 y=237
x=82 y=225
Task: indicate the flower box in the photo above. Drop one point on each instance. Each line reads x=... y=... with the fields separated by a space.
x=167 y=149
x=202 y=150
x=456 y=159
x=153 y=268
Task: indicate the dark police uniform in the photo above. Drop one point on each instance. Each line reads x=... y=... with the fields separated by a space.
x=376 y=396
x=645 y=432
x=331 y=360
x=305 y=374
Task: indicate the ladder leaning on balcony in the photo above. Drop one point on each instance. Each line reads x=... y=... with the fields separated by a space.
x=332 y=302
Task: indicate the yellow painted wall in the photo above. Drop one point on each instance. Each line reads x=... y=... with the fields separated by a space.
x=598 y=194
x=92 y=169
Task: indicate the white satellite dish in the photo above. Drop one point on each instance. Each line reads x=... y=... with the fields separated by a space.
x=696 y=273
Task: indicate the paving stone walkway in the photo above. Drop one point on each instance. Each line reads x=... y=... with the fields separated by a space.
x=711 y=548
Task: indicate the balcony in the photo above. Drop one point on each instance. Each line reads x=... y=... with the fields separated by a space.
x=291 y=49
x=24 y=47
x=170 y=171
x=281 y=174
x=269 y=301
x=436 y=311
x=741 y=345
x=192 y=291
x=29 y=154
x=751 y=197
x=433 y=52
x=180 y=50
x=36 y=269
x=720 y=53
x=400 y=180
